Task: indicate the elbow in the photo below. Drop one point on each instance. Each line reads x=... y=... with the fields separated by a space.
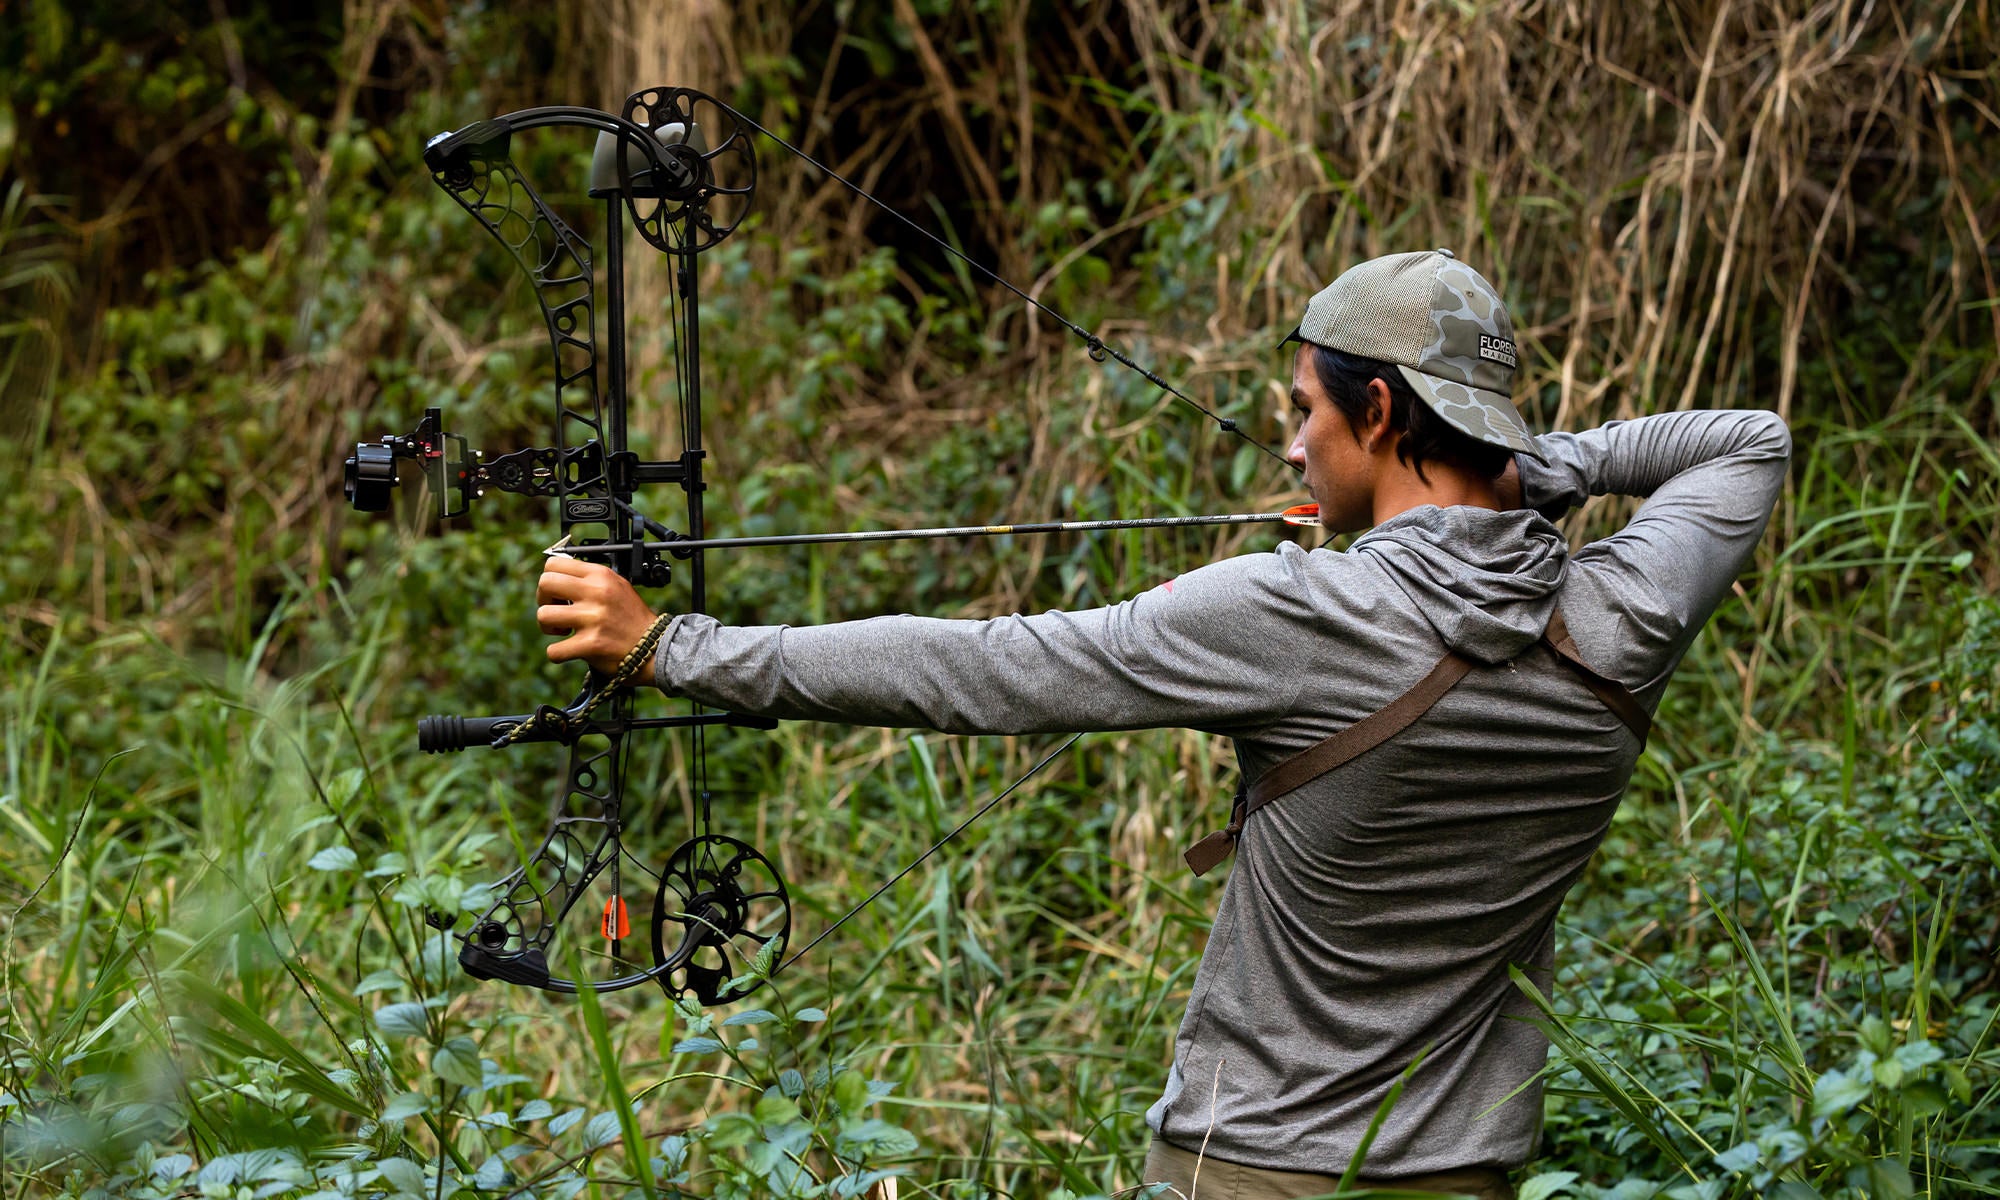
x=1772 y=437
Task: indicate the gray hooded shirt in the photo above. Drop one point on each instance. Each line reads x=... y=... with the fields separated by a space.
x=1371 y=916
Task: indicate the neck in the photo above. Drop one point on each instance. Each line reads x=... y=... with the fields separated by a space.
x=1399 y=490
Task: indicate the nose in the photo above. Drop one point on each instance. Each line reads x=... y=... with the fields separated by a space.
x=1297 y=454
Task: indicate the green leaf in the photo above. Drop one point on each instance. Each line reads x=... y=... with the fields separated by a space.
x=811 y=1014
x=775 y=1109
x=334 y=858
x=879 y=1137
x=727 y=1131
x=602 y=1130
x=850 y=1091
x=403 y=1175
x=1548 y=1183
x=402 y=1020
x=1959 y=1082
x=848 y=1186
x=457 y=1061
x=1890 y=1180
x=1916 y=1055
x=172 y=1166
x=1924 y=1098
x=1875 y=1035
x=533 y=1110
x=492 y=1174
x=697 y=1045
x=1888 y=1072
x=405 y=1106
x=755 y=1016
x=344 y=786
x=378 y=981
x=1835 y=1093
x=561 y=1125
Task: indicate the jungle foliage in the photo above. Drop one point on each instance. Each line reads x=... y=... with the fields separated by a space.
x=222 y=262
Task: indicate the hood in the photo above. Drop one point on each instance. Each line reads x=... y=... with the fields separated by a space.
x=1487 y=581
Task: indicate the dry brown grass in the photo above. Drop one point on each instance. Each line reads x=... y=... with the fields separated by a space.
x=1657 y=188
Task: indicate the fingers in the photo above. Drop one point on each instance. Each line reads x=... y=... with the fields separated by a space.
x=567 y=564
x=587 y=638
x=593 y=609
x=561 y=619
x=571 y=579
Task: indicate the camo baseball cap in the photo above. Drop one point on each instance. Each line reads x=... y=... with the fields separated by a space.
x=1442 y=325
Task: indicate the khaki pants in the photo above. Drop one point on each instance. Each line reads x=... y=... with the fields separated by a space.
x=1219 y=1180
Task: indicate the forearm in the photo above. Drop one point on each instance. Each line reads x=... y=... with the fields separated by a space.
x=1742 y=450
x=1709 y=480
x=954 y=676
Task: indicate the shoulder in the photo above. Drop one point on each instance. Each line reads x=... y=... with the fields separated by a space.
x=1290 y=576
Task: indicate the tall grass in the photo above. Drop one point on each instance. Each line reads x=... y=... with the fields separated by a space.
x=1779 y=975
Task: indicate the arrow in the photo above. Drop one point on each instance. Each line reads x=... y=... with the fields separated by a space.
x=1304 y=515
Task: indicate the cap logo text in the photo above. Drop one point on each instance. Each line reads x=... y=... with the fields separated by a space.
x=1496 y=349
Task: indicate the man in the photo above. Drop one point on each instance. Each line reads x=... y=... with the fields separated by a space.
x=1375 y=906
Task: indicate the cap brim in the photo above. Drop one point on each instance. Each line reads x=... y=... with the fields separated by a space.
x=1293 y=336
x=1479 y=414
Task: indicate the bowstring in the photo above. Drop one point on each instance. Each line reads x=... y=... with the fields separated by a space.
x=934 y=847
x=684 y=368
x=1098 y=347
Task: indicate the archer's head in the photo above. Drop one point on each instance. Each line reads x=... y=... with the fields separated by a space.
x=1404 y=381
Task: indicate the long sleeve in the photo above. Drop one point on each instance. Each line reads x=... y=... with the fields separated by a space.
x=1709 y=480
x=1207 y=651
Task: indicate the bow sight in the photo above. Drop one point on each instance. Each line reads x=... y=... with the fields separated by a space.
x=456 y=476
x=675 y=167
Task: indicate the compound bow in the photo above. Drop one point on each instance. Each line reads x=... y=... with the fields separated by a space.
x=679 y=167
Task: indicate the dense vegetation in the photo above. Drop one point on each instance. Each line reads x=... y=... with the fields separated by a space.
x=221 y=262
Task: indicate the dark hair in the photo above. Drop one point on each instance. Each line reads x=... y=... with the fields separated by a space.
x=1426 y=436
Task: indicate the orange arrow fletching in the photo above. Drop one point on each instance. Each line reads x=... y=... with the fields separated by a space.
x=1302 y=514
x=616 y=924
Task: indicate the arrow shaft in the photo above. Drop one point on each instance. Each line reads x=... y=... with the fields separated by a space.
x=952 y=531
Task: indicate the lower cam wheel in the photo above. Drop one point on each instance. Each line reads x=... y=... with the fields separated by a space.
x=720 y=902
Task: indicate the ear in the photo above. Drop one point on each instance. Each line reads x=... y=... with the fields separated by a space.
x=1376 y=419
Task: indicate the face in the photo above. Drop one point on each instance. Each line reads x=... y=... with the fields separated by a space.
x=1340 y=470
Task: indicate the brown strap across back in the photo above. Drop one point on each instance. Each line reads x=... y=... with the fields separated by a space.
x=1378 y=727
